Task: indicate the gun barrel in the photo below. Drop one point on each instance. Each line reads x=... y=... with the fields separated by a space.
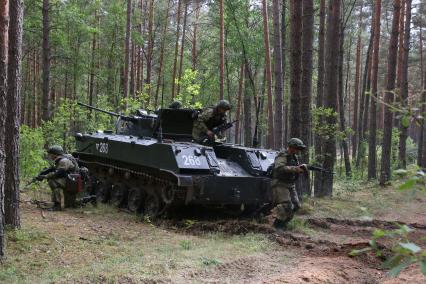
x=100 y=110
x=319 y=169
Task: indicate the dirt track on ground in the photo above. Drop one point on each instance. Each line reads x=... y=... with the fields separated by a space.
x=323 y=256
x=317 y=256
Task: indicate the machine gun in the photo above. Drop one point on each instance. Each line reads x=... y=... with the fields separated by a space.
x=216 y=130
x=121 y=116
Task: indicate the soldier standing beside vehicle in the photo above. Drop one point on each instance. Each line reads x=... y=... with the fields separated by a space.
x=64 y=164
x=210 y=118
x=285 y=173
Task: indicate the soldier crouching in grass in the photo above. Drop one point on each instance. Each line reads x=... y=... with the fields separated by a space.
x=64 y=164
x=285 y=173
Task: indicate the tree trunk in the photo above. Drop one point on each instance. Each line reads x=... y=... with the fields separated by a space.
x=356 y=90
x=364 y=100
x=278 y=71
x=11 y=194
x=160 y=78
x=182 y=48
x=247 y=109
x=421 y=153
x=127 y=52
x=238 y=114
x=46 y=62
x=385 y=172
x=373 y=105
x=150 y=50
x=422 y=139
x=268 y=73
x=4 y=42
x=195 y=31
x=283 y=57
x=320 y=90
x=400 y=58
x=34 y=91
x=403 y=128
x=222 y=50
x=306 y=89
x=132 y=70
x=176 y=48
x=330 y=91
x=295 y=62
x=342 y=122
x=92 y=65
x=139 y=81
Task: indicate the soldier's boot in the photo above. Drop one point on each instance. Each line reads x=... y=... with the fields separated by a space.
x=285 y=213
x=56 y=207
x=70 y=200
x=279 y=224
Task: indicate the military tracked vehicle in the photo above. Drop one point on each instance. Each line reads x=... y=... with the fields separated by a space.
x=150 y=163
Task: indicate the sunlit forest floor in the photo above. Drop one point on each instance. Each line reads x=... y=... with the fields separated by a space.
x=106 y=245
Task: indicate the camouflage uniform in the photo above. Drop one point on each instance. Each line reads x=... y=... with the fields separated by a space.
x=283 y=186
x=207 y=120
x=64 y=164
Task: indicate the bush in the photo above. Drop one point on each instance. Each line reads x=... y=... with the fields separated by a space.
x=31 y=151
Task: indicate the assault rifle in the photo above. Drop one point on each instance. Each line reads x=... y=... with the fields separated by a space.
x=218 y=129
x=41 y=175
x=319 y=169
x=270 y=169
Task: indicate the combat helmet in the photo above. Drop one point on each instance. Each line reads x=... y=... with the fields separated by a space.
x=55 y=150
x=223 y=104
x=175 y=105
x=296 y=143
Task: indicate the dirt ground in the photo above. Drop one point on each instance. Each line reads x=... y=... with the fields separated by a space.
x=106 y=245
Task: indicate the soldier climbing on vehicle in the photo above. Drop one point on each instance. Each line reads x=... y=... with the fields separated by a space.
x=208 y=119
x=285 y=172
x=57 y=176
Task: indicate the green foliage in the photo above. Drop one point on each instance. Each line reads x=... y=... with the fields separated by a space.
x=23 y=238
x=320 y=128
x=185 y=244
x=132 y=104
x=189 y=90
x=416 y=181
x=31 y=151
x=210 y=261
x=404 y=251
x=68 y=119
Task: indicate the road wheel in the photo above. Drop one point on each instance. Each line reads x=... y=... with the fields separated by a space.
x=134 y=200
x=152 y=206
x=103 y=192
x=118 y=194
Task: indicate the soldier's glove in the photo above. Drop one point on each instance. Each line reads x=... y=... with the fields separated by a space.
x=40 y=177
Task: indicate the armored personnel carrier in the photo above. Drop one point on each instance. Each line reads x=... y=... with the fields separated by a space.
x=150 y=163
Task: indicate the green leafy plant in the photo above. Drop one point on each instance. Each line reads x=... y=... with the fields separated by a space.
x=185 y=244
x=404 y=252
x=31 y=151
x=189 y=89
x=210 y=261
